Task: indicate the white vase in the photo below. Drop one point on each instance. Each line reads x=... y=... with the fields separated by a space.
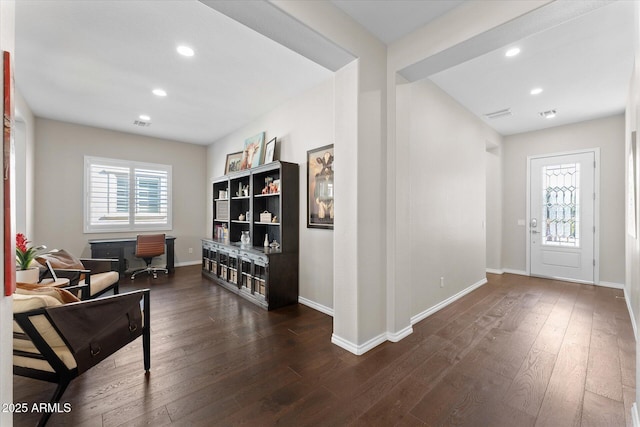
x=29 y=275
x=245 y=239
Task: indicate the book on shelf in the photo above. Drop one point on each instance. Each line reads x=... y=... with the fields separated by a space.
x=221 y=232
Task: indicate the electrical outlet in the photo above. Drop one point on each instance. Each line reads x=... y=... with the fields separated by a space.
x=442 y=282
x=190 y=250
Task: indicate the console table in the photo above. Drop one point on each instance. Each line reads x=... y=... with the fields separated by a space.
x=115 y=248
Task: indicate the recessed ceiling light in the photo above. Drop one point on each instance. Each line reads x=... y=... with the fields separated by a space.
x=159 y=92
x=512 y=52
x=536 y=91
x=144 y=117
x=185 y=50
x=548 y=114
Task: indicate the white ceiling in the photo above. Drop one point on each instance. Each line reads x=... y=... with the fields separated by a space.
x=391 y=20
x=96 y=62
x=583 y=64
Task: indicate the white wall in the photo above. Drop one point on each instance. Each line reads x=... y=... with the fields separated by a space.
x=632 y=243
x=302 y=124
x=360 y=291
x=447 y=188
x=493 y=162
x=462 y=23
x=608 y=134
x=59 y=184
x=25 y=171
x=7 y=41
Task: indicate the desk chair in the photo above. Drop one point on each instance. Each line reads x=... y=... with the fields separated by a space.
x=147 y=247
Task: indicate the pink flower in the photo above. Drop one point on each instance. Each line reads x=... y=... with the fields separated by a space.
x=21 y=242
x=24 y=254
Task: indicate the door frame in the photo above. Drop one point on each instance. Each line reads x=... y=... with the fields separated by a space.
x=596 y=208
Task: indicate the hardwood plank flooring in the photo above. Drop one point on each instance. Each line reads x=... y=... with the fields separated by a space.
x=518 y=351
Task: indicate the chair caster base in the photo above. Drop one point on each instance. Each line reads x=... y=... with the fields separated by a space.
x=153 y=272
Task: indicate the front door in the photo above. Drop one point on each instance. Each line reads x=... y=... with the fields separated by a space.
x=562 y=216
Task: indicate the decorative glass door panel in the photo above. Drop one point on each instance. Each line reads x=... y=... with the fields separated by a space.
x=561 y=204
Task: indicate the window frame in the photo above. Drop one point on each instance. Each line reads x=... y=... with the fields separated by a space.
x=132 y=166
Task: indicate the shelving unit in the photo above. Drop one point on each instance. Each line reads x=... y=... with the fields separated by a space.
x=267 y=276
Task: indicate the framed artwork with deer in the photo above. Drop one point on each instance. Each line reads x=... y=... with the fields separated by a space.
x=320 y=187
x=252 y=153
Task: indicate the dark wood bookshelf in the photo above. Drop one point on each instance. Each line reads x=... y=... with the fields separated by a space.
x=267 y=276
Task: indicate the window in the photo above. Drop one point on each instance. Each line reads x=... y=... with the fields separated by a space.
x=123 y=195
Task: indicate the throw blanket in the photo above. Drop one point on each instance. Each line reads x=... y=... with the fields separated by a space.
x=60 y=294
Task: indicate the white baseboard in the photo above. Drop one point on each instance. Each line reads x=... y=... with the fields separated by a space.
x=494 y=271
x=518 y=272
x=633 y=321
x=312 y=304
x=634 y=415
x=397 y=336
x=358 y=349
x=428 y=312
x=611 y=285
x=348 y=345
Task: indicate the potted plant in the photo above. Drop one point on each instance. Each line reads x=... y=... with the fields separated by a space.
x=25 y=255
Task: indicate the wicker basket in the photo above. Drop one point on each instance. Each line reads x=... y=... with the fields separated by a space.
x=260 y=286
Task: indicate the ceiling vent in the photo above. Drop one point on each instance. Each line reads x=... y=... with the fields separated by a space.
x=548 y=114
x=141 y=123
x=500 y=113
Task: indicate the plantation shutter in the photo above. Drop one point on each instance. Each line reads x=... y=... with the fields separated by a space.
x=124 y=195
x=151 y=196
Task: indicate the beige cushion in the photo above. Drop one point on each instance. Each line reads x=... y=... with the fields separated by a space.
x=62 y=352
x=26 y=302
x=101 y=281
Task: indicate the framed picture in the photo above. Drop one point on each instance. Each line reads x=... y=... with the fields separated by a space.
x=233 y=162
x=7 y=174
x=269 y=151
x=320 y=187
x=253 y=152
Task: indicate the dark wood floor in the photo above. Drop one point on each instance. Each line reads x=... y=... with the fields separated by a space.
x=515 y=352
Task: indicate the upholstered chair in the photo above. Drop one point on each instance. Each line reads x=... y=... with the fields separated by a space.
x=56 y=340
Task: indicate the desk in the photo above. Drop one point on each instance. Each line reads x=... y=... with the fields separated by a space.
x=115 y=248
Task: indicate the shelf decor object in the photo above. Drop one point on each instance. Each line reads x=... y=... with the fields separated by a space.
x=233 y=162
x=253 y=152
x=269 y=152
x=253 y=251
x=320 y=187
x=245 y=240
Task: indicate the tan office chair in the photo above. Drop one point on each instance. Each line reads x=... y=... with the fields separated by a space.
x=147 y=247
